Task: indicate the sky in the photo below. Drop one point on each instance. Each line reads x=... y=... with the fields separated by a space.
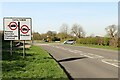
x=94 y=17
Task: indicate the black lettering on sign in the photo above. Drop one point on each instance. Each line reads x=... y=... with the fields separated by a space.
x=8 y=31
x=11 y=36
x=24 y=35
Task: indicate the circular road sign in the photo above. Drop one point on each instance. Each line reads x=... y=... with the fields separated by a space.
x=13 y=25
x=24 y=29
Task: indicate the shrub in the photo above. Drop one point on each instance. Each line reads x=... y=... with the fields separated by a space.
x=106 y=41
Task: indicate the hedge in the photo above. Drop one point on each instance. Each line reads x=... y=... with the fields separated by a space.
x=94 y=40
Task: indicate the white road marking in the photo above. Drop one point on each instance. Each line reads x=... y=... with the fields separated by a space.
x=87 y=56
x=93 y=56
x=71 y=50
x=77 y=51
x=111 y=62
x=42 y=44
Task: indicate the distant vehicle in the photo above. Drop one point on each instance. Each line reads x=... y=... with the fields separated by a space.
x=69 y=42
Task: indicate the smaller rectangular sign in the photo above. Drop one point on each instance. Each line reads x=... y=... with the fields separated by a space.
x=25 y=29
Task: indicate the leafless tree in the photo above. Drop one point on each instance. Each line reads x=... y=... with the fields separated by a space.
x=64 y=31
x=112 y=32
x=64 y=28
x=77 y=30
x=51 y=33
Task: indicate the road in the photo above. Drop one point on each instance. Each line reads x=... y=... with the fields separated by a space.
x=85 y=62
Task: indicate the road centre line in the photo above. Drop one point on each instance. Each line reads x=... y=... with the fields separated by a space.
x=97 y=56
x=90 y=55
x=86 y=55
x=93 y=56
x=77 y=51
x=113 y=64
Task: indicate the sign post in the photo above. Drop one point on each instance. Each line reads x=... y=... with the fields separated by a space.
x=11 y=47
x=17 y=28
x=24 y=49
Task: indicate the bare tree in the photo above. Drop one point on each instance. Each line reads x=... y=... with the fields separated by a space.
x=77 y=30
x=64 y=28
x=51 y=33
x=112 y=32
x=64 y=31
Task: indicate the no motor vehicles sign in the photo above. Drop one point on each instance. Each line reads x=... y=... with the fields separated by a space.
x=17 y=28
x=25 y=29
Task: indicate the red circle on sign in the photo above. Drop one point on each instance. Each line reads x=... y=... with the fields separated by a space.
x=15 y=25
x=25 y=27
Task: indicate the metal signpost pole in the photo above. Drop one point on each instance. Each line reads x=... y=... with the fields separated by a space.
x=24 y=49
x=11 y=47
x=19 y=30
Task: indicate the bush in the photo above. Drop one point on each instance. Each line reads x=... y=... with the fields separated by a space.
x=88 y=40
x=55 y=39
x=99 y=41
x=94 y=40
x=106 y=41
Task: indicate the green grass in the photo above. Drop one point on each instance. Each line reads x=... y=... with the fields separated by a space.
x=98 y=46
x=37 y=65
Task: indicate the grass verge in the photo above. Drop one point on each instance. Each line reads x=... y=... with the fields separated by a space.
x=37 y=65
x=98 y=46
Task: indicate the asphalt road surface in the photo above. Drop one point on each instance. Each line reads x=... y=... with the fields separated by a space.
x=84 y=62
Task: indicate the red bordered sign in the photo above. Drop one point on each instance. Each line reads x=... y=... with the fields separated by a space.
x=24 y=29
x=13 y=25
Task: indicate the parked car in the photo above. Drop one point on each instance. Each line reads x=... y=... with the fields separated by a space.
x=69 y=42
